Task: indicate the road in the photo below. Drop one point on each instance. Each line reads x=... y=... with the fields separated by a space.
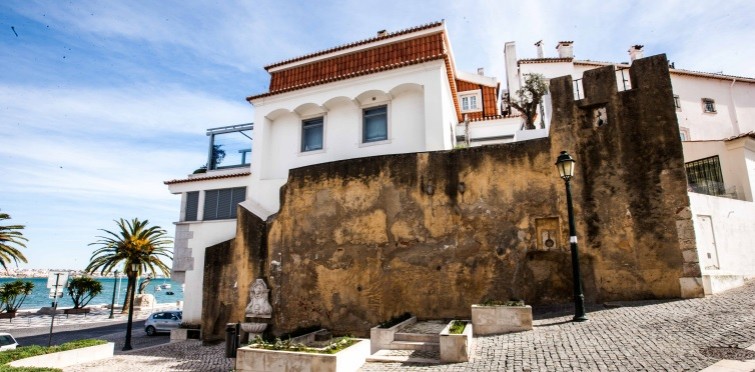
x=66 y=333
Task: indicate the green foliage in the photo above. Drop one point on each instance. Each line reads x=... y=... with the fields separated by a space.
x=529 y=97
x=337 y=345
x=82 y=290
x=10 y=238
x=395 y=320
x=13 y=294
x=490 y=302
x=135 y=243
x=23 y=352
x=457 y=327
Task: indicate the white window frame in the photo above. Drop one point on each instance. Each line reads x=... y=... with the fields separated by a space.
x=301 y=134
x=684 y=134
x=712 y=102
x=677 y=102
x=387 y=124
x=477 y=94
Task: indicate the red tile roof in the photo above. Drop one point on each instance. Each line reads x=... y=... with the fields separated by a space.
x=748 y=134
x=196 y=179
x=489 y=99
x=357 y=43
x=543 y=60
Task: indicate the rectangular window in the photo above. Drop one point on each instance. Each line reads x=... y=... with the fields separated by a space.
x=704 y=176
x=677 y=103
x=230 y=147
x=221 y=204
x=311 y=134
x=709 y=105
x=470 y=101
x=375 y=124
x=192 y=205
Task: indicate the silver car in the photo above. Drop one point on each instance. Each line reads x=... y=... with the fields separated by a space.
x=162 y=321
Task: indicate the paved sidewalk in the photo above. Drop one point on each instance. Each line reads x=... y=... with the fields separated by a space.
x=671 y=335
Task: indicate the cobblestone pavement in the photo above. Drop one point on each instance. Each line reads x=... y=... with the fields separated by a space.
x=187 y=355
x=639 y=336
x=631 y=336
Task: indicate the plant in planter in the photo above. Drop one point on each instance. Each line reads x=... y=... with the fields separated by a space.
x=13 y=294
x=498 y=317
x=456 y=341
x=82 y=290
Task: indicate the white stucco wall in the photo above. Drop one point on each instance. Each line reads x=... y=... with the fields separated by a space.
x=732 y=234
x=191 y=239
x=419 y=119
x=737 y=160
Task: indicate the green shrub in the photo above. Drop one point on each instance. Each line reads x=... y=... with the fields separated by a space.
x=457 y=327
x=490 y=302
x=337 y=345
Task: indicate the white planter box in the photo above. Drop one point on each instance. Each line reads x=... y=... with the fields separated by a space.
x=183 y=334
x=67 y=358
x=381 y=338
x=260 y=360
x=456 y=347
x=492 y=320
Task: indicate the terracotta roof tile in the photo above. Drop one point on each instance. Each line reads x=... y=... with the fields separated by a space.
x=196 y=179
x=748 y=134
x=356 y=43
x=543 y=60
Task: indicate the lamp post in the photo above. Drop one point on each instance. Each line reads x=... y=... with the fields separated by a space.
x=565 y=165
x=115 y=285
x=135 y=271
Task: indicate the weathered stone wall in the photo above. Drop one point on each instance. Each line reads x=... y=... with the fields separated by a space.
x=230 y=269
x=359 y=241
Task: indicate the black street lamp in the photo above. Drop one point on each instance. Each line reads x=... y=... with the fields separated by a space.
x=115 y=285
x=135 y=271
x=565 y=165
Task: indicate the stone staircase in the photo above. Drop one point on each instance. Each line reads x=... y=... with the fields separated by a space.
x=415 y=342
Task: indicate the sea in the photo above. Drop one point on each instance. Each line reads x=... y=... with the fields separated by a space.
x=40 y=296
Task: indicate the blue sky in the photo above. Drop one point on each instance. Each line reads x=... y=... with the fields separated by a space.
x=102 y=101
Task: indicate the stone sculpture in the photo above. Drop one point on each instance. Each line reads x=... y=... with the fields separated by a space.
x=259 y=307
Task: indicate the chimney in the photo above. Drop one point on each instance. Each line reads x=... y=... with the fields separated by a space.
x=635 y=52
x=382 y=33
x=539 y=46
x=565 y=49
x=480 y=71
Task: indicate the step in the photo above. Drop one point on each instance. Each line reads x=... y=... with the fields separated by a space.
x=405 y=356
x=417 y=337
x=414 y=345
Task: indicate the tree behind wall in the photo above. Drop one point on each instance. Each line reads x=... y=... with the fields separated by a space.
x=11 y=238
x=135 y=243
x=528 y=98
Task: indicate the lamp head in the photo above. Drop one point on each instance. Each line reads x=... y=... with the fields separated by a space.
x=565 y=165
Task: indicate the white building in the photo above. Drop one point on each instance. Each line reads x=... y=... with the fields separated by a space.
x=716 y=115
x=394 y=93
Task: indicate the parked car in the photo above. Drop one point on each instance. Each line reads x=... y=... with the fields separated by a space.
x=162 y=321
x=7 y=342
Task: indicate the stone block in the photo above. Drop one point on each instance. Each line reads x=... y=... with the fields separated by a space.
x=249 y=359
x=456 y=348
x=691 y=287
x=491 y=320
x=381 y=338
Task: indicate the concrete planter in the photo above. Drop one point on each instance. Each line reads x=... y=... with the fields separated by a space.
x=67 y=358
x=249 y=359
x=456 y=347
x=492 y=320
x=381 y=338
x=183 y=334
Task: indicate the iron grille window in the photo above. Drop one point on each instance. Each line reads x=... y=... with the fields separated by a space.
x=221 y=204
x=192 y=205
x=704 y=176
x=709 y=105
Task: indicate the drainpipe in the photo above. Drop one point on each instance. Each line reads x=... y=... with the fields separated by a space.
x=735 y=120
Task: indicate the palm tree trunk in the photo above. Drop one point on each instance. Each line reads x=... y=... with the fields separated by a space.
x=129 y=287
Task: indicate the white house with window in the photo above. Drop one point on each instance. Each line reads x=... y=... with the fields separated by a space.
x=208 y=208
x=716 y=115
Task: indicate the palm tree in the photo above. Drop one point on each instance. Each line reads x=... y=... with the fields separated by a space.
x=11 y=235
x=135 y=243
x=13 y=294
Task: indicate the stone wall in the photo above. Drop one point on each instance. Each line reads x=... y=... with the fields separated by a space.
x=356 y=242
x=230 y=269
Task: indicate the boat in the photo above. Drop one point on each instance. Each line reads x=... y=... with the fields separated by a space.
x=165 y=286
x=170 y=293
x=157 y=288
